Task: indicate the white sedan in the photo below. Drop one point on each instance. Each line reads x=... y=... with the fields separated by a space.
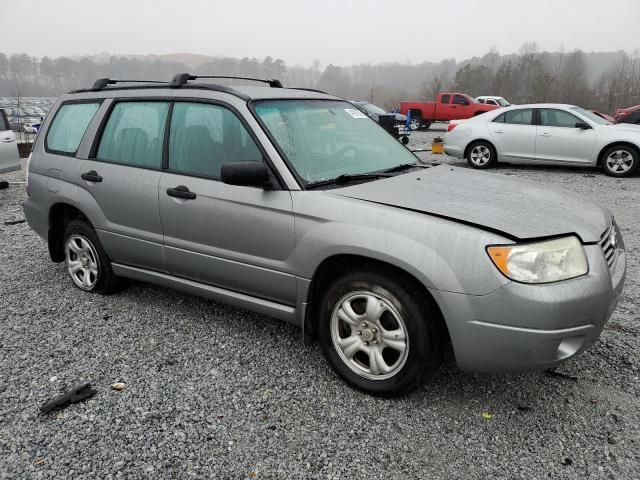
x=9 y=156
x=549 y=134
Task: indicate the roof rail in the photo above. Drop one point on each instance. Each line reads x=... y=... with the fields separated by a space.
x=182 y=78
x=104 y=82
x=309 y=90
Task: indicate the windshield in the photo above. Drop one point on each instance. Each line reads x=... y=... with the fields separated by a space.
x=323 y=139
x=591 y=116
x=502 y=102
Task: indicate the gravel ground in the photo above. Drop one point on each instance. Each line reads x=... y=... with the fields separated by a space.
x=217 y=392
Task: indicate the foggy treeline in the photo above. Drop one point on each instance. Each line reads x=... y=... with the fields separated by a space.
x=602 y=81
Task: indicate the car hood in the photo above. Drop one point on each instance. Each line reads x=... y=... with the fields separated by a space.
x=515 y=208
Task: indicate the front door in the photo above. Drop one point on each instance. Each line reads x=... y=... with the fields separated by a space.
x=235 y=237
x=560 y=141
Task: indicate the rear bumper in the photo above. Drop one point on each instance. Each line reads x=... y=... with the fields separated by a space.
x=533 y=327
x=37 y=217
x=453 y=150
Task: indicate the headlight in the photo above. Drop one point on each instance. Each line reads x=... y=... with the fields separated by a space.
x=541 y=262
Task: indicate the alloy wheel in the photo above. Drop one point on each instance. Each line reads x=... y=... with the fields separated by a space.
x=82 y=262
x=369 y=335
x=620 y=161
x=480 y=155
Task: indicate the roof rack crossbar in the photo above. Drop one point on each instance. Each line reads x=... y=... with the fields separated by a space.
x=101 y=83
x=182 y=78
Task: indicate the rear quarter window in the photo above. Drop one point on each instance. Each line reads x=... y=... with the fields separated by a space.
x=68 y=127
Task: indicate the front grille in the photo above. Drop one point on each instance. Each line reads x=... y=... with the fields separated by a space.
x=608 y=249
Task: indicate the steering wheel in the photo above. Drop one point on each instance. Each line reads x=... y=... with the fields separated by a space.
x=340 y=153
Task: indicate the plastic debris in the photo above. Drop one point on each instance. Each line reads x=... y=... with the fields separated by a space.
x=554 y=373
x=487 y=415
x=74 y=396
x=118 y=386
x=567 y=461
x=14 y=222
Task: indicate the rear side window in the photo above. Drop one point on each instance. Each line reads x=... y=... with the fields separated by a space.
x=519 y=117
x=444 y=99
x=68 y=127
x=134 y=134
x=204 y=136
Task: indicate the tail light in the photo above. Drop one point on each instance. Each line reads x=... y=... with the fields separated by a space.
x=451 y=126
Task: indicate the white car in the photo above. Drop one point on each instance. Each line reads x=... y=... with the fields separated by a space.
x=490 y=100
x=550 y=134
x=9 y=156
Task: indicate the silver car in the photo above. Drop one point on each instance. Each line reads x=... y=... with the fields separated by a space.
x=294 y=204
x=548 y=134
x=9 y=156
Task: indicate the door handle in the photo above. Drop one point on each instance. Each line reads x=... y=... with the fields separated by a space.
x=91 y=176
x=181 y=192
x=499 y=131
x=545 y=134
x=8 y=140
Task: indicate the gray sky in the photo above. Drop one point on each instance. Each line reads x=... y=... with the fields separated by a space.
x=342 y=32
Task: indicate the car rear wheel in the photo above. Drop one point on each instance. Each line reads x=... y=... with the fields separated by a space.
x=481 y=154
x=620 y=161
x=87 y=263
x=378 y=334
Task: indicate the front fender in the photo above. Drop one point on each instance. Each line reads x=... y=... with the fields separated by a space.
x=442 y=254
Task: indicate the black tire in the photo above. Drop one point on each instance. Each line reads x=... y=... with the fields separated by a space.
x=481 y=155
x=426 y=125
x=416 y=122
x=623 y=152
x=404 y=140
x=105 y=281
x=421 y=323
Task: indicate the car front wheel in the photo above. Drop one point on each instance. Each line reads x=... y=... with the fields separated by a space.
x=620 y=161
x=379 y=333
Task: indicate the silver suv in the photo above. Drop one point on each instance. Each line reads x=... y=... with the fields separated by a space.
x=295 y=204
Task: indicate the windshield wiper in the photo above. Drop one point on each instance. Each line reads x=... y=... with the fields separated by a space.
x=404 y=166
x=346 y=178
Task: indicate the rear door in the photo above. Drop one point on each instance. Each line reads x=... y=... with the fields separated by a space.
x=9 y=156
x=119 y=182
x=514 y=135
x=236 y=237
x=559 y=141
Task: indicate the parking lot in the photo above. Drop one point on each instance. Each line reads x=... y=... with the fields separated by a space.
x=217 y=392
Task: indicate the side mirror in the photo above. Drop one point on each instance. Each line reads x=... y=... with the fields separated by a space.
x=248 y=174
x=583 y=125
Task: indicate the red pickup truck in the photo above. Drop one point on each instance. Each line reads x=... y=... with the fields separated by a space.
x=448 y=106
